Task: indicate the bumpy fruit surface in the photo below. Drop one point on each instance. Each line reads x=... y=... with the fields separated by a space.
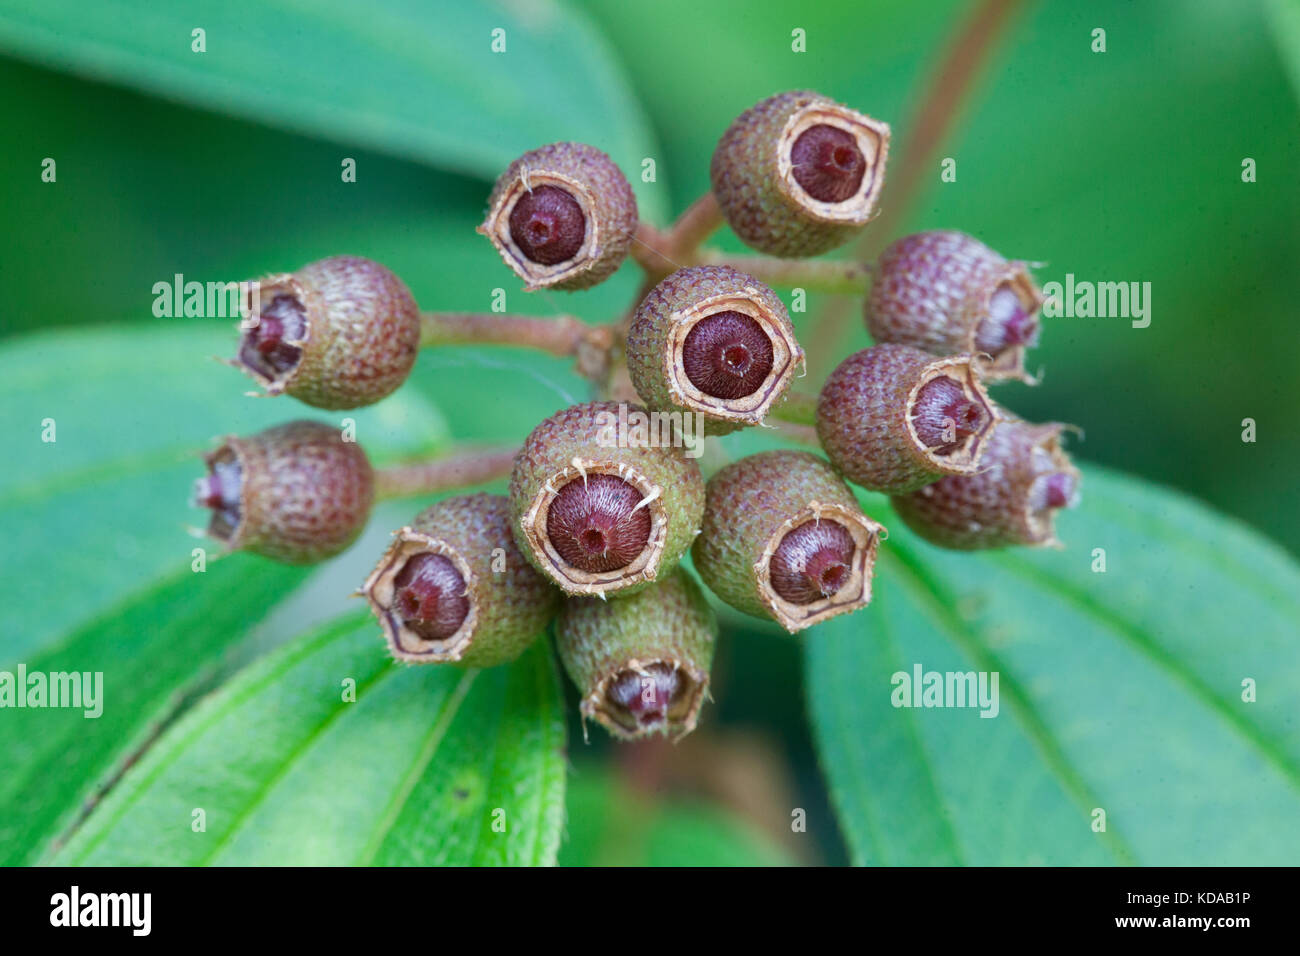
x=893 y=418
x=641 y=662
x=297 y=493
x=714 y=341
x=948 y=293
x=1025 y=478
x=562 y=216
x=453 y=587
x=799 y=174
x=339 y=333
x=784 y=537
x=598 y=508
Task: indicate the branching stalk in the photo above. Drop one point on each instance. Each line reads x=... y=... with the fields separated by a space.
x=564 y=336
x=662 y=251
x=458 y=470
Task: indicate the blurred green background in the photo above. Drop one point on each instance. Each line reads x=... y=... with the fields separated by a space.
x=1116 y=166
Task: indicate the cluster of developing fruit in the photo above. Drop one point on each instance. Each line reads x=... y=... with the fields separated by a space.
x=591 y=537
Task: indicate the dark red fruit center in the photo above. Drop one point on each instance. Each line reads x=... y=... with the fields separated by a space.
x=547 y=225
x=1008 y=323
x=827 y=163
x=812 y=562
x=1053 y=490
x=220 y=491
x=727 y=355
x=430 y=596
x=647 y=696
x=944 y=416
x=1060 y=488
x=265 y=348
x=595 y=524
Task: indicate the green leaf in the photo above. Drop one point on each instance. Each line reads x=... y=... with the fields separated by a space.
x=429 y=766
x=1120 y=690
x=102 y=581
x=1284 y=18
x=103 y=509
x=610 y=825
x=152 y=654
x=416 y=79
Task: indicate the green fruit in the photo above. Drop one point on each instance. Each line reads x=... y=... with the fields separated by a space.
x=562 y=216
x=784 y=538
x=716 y=342
x=338 y=333
x=600 y=510
x=641 y=662
x=1025 y=477
x=893 y=418
x=297 y=493
x=799 y=174
x=452 y=587
x=949 y=294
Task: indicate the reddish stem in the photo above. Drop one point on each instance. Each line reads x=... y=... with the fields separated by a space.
x=459 y=470
x=562 y=335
